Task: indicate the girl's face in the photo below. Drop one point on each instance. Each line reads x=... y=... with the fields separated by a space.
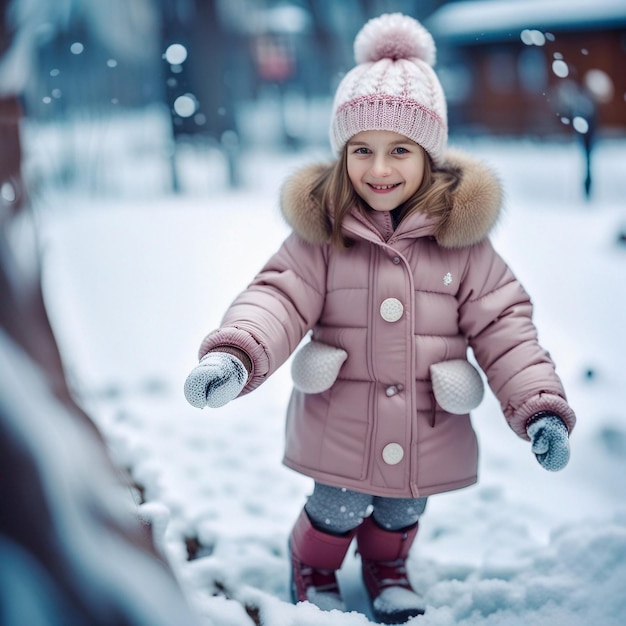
x=385 y=168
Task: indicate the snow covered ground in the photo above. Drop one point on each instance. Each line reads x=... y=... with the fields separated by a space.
x=134 y=284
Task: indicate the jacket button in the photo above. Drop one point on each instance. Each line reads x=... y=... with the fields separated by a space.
x=391 y=310
x=392 y=390
x=396 y=260
x=393 y=453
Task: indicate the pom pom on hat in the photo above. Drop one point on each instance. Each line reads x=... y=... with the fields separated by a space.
x=394 y=36
x=393 y=87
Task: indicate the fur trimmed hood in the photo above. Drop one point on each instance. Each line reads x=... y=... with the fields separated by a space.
x=475 y=208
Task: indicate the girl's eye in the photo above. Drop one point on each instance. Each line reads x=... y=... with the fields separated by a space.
x=401 y=150
x=361 y=151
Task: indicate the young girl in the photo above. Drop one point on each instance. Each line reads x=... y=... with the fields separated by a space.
x=390 y=266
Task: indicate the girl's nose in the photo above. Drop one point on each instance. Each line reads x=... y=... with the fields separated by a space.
x=380 y=166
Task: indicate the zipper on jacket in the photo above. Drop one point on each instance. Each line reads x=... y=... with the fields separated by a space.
x=433 y=413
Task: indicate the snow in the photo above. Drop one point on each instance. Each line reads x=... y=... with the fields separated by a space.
x=466 y=19
x=134 y=284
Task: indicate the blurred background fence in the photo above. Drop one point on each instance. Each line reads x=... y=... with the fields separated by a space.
x=203 y=79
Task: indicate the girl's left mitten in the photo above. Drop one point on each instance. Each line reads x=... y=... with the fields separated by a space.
x=550 y=441
x=215 y=381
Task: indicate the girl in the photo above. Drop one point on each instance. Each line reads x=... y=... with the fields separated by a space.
x=390 y=266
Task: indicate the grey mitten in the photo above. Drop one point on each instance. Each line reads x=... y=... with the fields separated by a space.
x=215 y=381
x=550 y=441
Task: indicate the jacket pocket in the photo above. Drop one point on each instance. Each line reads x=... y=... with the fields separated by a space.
x=315 y=366
x=457 y=386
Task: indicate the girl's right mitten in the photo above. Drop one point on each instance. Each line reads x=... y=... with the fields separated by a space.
x=215 y=381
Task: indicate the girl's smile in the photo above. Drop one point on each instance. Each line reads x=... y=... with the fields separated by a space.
x=383 y=188
x=385 y=168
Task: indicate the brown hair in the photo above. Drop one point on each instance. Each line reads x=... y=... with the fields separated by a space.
x=334 y=189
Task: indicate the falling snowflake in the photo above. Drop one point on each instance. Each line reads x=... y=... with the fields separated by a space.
x=447 y=279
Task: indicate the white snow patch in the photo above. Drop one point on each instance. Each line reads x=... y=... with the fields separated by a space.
x=134 y=285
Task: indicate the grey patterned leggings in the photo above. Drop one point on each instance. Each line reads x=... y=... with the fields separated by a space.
x=337 y=510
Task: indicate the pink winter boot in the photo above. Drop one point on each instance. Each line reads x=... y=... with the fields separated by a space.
x=315 y=558
x=383 y=558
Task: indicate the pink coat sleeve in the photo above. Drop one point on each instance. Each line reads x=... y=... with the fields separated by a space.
x=495 y=314
x=271 y=316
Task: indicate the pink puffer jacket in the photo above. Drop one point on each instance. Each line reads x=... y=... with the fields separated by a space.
x=396 y=302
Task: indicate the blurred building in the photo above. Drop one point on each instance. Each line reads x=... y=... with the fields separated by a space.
x=216 y=75
x=533 y=67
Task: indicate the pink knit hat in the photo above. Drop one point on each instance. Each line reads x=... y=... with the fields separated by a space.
x=393 y=87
